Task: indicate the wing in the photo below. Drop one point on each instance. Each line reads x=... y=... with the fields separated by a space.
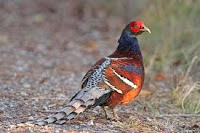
x=124 y=74
x=93 y=81
x=120 y=75
x=91 y=71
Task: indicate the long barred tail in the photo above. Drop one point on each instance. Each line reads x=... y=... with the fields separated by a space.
x=72 y=110
x=84 y=99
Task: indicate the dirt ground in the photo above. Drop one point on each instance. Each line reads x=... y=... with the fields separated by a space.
x=45 y=50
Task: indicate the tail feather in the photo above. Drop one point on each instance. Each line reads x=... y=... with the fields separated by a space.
x=83 y=100
x=73 y=106
x=74 y=114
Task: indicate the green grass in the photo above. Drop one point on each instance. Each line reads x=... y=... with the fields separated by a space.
x=136 y=125
x=175 y=27
x=141 y=126
x=186 y=93
x=174 y=42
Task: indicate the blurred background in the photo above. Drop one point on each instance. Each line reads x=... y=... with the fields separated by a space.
x=46 y=47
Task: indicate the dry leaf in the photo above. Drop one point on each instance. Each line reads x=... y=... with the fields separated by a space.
x=159 y=77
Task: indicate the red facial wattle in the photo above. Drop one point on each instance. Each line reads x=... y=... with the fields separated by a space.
x=135 y=26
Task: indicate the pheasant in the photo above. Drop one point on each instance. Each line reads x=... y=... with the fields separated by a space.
x=114 y=80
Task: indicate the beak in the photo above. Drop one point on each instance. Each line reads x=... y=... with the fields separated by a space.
x=145 y=29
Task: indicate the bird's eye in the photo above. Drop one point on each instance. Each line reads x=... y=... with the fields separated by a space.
x=136 y=26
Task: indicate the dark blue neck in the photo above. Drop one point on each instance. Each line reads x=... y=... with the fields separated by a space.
x=128 y=42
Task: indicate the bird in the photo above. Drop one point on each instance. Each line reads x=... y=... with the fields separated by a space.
x=114 y=80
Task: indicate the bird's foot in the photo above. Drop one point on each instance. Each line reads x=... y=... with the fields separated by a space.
x=115 y=116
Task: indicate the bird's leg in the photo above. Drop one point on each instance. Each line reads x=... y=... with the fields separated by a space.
x=116 y=117
x=105 y=112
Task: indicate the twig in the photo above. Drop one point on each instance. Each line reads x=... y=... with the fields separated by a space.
x=42 y=111
x=179 y=115
x=188 y=92
x=189 y=68
x=152 y=60
x=196 y=109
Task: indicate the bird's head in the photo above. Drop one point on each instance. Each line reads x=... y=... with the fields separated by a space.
x=136 y=28
x=128 y=40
